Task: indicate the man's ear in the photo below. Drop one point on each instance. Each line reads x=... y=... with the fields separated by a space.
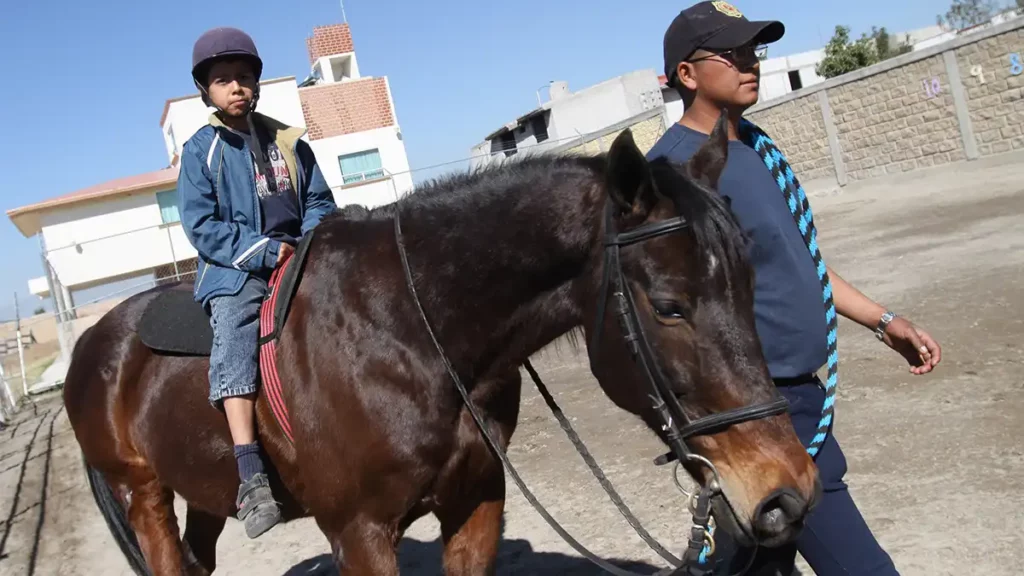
x=707 y=163
x=628 y=176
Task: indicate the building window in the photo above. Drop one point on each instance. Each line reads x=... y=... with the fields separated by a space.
x=540 y=127
x=794 y=80
x=505 y=143
x=168 y=201
x=360 y=166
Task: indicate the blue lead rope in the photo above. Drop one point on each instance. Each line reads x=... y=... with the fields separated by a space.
x=795 y=197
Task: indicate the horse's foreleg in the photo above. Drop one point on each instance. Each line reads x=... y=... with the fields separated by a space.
x=471 y=517
x=365 y=548
x=471 y=537
x=202 y=530
x=151 y=515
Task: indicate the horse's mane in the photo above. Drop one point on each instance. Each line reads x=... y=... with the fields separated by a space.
x=713 y=224
x=454 y=190
x=714 y=227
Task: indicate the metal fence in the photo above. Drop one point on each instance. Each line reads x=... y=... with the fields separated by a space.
x=73 y=311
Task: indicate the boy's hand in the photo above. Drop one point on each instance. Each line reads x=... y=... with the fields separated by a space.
x=283 y=253
x=917 y=346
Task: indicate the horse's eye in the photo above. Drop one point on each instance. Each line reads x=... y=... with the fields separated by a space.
x=670 y=309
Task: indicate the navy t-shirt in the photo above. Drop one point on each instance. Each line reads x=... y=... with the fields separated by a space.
x=788 y=307
x=279 y=203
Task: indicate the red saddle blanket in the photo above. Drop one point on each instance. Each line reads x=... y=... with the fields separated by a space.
x=268 y=351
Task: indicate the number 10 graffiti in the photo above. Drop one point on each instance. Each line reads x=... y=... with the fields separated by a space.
x=932 y=88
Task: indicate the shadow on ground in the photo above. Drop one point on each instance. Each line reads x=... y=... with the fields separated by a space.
x=514 y=557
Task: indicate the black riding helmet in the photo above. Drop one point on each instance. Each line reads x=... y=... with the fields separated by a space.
x=224 y=42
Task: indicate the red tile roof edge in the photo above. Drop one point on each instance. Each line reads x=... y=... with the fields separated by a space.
x=105 y=189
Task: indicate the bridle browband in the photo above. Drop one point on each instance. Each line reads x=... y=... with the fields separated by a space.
x=670 y=412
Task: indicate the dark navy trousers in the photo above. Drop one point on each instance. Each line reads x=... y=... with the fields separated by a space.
x=835 y=541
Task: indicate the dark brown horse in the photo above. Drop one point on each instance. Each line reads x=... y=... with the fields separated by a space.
x=505 y=261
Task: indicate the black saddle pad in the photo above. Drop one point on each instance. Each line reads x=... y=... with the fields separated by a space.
x=174 y=322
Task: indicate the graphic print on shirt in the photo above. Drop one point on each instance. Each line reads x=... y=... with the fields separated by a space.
x=281 y=183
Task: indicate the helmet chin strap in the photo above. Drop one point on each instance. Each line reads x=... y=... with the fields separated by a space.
x=257 y=151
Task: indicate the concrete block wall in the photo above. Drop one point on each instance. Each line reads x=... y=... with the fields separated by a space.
x=952 y=102
x=647 y=128
x=892 y=123
x=798 y=128
x=994 y=94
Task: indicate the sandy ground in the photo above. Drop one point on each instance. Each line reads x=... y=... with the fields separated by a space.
x=935 y=462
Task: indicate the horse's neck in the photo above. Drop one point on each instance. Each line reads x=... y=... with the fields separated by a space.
x=505 y=278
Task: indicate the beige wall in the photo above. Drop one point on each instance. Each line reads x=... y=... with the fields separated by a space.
x=886 y=119
x=799 y=130
x=44 y=326
x=996 y=107
x=646 y=129
x=888 y=123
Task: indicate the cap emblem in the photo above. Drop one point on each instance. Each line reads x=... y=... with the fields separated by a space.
x=727 y=9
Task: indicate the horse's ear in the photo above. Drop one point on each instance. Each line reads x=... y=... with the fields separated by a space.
x=629 y=179
x=706 y=164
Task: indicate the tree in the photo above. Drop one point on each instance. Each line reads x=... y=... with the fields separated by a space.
x=38 y=311
x=966 y=13
x=883 y=44
x=842 y=56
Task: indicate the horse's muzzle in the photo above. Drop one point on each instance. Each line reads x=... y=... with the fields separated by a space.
x=780 y=516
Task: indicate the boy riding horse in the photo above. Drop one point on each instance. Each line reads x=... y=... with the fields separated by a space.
x=249 y=189
x=712 y=59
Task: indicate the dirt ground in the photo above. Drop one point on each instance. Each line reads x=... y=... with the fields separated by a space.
x=936 y=462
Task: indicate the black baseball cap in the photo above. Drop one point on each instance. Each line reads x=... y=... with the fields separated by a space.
x=713 y=26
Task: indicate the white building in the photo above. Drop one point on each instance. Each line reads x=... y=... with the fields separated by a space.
x=568 y=115
x=130 y=227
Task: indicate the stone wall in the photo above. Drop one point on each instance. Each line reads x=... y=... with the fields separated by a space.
x=994 y=92
x=952 y=102
x=891 y=123
x=646 y=128
x=798 y=128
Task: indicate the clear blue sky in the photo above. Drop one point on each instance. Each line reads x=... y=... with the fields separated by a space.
x=85 y=82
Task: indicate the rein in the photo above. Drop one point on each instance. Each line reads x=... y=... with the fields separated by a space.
x=796 y=199
x=701 y=543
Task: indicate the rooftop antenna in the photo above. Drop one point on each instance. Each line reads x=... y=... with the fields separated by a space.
x=344 y=18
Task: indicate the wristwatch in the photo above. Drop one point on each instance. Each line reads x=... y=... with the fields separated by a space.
x=883 y=323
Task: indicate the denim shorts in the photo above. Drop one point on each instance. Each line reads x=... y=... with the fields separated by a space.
x=234 y=360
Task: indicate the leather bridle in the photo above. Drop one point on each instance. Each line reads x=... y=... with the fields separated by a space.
x=665 y=402
x=669 y=411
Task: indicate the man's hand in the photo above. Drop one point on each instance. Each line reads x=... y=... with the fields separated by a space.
x=917 y=346
x=284 y=252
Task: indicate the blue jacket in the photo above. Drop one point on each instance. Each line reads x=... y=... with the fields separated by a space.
x=220 y=211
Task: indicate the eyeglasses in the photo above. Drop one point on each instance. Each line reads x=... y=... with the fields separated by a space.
x=744 y=55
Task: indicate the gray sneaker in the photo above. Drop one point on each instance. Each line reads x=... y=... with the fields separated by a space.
x=257 y=507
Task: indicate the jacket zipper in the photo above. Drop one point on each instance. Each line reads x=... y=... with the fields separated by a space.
x=298 y=181
x=206 y=268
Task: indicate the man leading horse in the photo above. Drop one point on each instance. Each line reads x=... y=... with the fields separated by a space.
x=712 y=58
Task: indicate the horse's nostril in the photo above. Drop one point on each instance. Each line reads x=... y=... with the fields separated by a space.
x=779 y=512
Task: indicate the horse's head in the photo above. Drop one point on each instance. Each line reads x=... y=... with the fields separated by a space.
x=675 y=323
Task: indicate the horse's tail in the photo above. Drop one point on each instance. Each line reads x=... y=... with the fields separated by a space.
x=117 y=520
